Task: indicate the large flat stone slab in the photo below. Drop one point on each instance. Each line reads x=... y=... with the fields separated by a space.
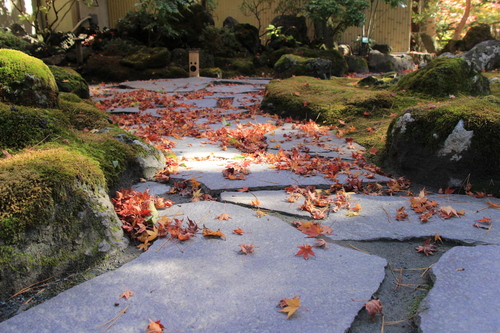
x=465 y=297
x=269 y=200
x=261 y=177
x=206 y=286
x=377 y=220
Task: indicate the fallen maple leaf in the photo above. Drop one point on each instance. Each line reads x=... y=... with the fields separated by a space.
x=305 y=251
x=321 y=243
x=485 y=220
x=243 y=189
x=223 y=216
x=210 y=233
x=289 y=305
x=127 y=294
x=260 y=213
x=247 y=248
x=373 y=307
x=238 y=231
x=155 y=327
x=143 y=246
x=447 y=211
x=427 y=248
x=490 y=205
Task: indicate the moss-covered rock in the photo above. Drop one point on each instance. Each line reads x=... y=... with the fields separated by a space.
x=25 y=80
x=446 y=76
x=339 y=65
x=292 y=65
x=146 y=57
x=55 y=216
x=211 y=72
x=445 y=144
x=68 y=80
x=325 y=101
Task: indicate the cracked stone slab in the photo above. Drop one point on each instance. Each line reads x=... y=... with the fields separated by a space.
x=204 y=285
x=464 y=298
x=377 y=220
x=172 y=85
x=270 y=200
x=261 y=177
x=155 y=188
x=200 y=148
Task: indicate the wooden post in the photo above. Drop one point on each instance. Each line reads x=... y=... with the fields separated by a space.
x=194 y=63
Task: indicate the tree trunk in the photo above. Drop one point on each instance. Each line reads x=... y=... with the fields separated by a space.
x=461 y=24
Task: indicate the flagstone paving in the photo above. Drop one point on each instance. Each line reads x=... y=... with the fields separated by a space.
x=209 y=285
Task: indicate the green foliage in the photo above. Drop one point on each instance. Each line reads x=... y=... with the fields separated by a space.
x=153 y=21
x=221 y=42
x=9 y=41
x=46 y=16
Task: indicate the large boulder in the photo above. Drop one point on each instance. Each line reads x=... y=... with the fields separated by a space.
x=25 y=80
x=476 y=34
x=69 y=81
x=380 y=62
x=486 y=55
x=289 y=65
x=446 y=76
x=445 y=144
x=55 y=217
x=357 y=64
x=248 y=36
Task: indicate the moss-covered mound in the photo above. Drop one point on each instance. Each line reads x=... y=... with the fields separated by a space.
x=445 y=144
x=145 y=58
x=323 y=100
x=339 y=65
x=292 y=65
x=25 y=80
x=446 y=76
x=68 y=80
x=54 y=216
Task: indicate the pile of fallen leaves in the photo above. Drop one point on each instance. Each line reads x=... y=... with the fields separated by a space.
x=137 y=211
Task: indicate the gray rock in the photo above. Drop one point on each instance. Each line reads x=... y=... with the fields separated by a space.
x=382 y=48
x=357 y=64
x=380 y=62
x=486 y=55
x=151 y=160
x=463 y=298
x=230 y=22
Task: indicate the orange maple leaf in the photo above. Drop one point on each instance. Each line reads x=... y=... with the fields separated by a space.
x=243 y=189
x=247 y=248
x=155 y=327
x=373 y=307
x=490 y=205
x=447 y=211
x=143 y=246
x=127 y=294
x=289 y=305
x=238 y=231
x=305 y=251
x=485 y=220
x=210 y=233
x=223 y=216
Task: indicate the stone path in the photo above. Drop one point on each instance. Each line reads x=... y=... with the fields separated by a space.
x=208 y=285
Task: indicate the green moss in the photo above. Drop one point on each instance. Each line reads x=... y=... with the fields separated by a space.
x=211 y=72
x=325 y=101
x=25 y=80
x=445 y=76
x=145 y=58
x=70 y=81
x=22 y=127
x=82 y=114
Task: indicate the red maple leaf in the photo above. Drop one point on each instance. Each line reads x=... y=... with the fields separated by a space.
x=305 y=251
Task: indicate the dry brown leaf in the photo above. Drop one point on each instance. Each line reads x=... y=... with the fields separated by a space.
x=289 y=305
x=373 y=307
x=427 y=248
x=155 y=327
x=223 y=216
x=210 y=233
x=127 y=294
